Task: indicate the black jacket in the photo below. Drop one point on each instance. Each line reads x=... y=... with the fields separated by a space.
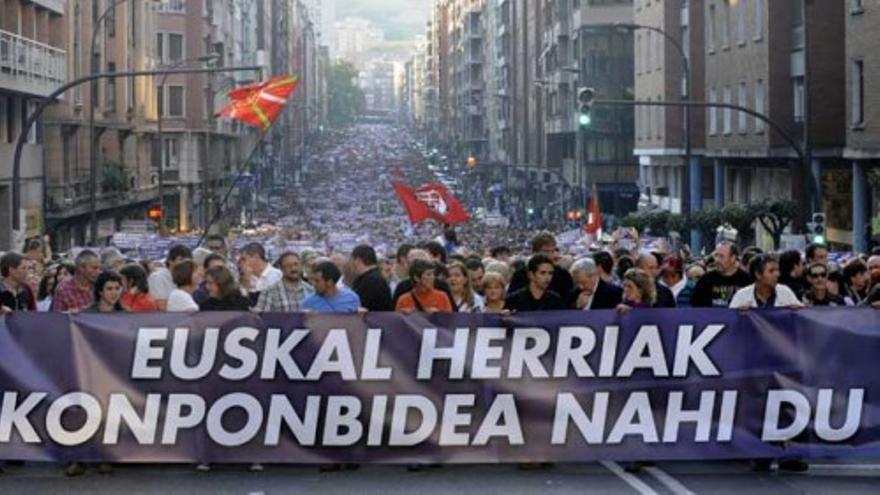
x=522 y=300
x=665 y=298
x=373 y=290
x=607 y=296
x=560 y=284
x=234 y=303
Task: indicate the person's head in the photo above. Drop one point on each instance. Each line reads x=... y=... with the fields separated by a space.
x=217 y=244
x=290 y=265
x=648 y=263
x=220 y=283
x=672 y=270
x=874 y=269
x=402 y=260
x=501 y=253
x=436 y=250
x=835 y=280
x=817 y=253
x=108 y=288
x=747 y=255
x=544 y=243
x=791 y=265
x=638 y=287
x=726 y=257
x=459 y=282
x=13 y=268
x=254 y=259
x=34 y=250
x=624 y=264
x=422 y=273
x=855 y=274
x=134 y=278
x=363 y=258
x=88 y=266
x=178 y=253
x=386 y=267
x=186 y=274
x=499 y=267
x=475 y=272
x=213 y=260
x=50 y=280
x=585 y=275
x=817 y=276
x=494 y=287
x=764 y=269
x=540 y=271
x=324 y=277
x=604 y=262
x=695 y=272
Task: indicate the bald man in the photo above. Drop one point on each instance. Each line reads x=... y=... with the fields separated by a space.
x=650 y=264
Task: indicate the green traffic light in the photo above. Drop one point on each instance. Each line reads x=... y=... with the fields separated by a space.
x=584 y=119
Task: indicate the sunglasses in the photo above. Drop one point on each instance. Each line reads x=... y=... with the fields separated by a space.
x=819 y=274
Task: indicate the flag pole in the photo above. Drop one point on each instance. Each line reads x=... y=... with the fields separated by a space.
x=244 y=166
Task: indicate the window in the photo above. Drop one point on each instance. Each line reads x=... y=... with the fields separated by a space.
x=649 y=121
x=710 y=29
x=713 y=112
x=175 y=47
x=759 y=19
x=175 y=101
x=110 y=88
x=110 y=22
x=725 y=25
x=160 y=48
x=660 y=115
x=742 y=14
x=728 y=113
x=743 y=102
x=858 y=92
x=658 y=52
x=759 y=105
x=171 y=154
x=856 y=6
x=172 y=6
x=798 y=94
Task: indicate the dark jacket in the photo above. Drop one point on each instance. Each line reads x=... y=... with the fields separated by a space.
x=373 y=290
x=665 y=298
x=560 y=284
x=22 y=300
x=235 y=303
x=522 y=300
x=607 y=296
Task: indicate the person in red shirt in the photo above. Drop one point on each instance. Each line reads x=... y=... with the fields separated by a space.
x=136 y=298
x=78 y=293
x=423 y=298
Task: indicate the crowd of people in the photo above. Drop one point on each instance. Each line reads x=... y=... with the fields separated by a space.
x=386 y=265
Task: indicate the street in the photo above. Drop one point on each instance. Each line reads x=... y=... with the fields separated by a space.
x=605 y=478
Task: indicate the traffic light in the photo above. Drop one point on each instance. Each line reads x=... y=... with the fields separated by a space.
x=817 y=228
x=155 y=213
x=585 y=98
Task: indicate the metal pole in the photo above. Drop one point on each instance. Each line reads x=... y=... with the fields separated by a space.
x=31 y=120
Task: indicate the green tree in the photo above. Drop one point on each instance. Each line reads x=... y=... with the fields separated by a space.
x=115 y=178
x=742 y=218
x=707 y=221
x=346 y=100
x=775 y=217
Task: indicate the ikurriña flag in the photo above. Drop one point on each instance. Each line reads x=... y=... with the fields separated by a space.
x=431 y=202
x=260 y=104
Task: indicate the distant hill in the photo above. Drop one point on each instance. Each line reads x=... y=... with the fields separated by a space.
x=400 y=19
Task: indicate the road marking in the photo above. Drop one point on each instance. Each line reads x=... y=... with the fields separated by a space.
x=630 y=479
x=866 y=467
x=669 y=481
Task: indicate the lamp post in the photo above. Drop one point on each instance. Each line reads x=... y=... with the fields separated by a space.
x=162 y=107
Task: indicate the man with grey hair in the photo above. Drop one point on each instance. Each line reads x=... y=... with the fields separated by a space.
x=590 y=291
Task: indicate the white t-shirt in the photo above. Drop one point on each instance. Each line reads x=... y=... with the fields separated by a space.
x=180 y=301
x=745 y=297
x=161 y=284
x=268 y=278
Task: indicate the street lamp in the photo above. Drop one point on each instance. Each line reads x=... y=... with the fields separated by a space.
x=93 y=97
x=694 y=189
x=161 y=104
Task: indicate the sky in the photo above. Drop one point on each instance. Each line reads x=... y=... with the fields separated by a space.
x=400 y=19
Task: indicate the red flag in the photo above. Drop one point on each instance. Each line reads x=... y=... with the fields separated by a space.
x=259 y=104
x=431 y=201
x=594 y=221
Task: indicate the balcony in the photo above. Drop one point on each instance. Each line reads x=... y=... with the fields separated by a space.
x=56 y=6
x=73 y=199
x=30 y=67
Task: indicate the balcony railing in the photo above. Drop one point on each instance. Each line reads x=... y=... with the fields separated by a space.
x=29 y=66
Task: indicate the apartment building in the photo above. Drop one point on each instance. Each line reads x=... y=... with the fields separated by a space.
x=33 y=64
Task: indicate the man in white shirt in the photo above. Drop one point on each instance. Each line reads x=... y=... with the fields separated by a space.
x=766 y=292
x=257 y=264
x=160 y=281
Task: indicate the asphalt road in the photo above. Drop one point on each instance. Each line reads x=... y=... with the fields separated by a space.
x=600 y=478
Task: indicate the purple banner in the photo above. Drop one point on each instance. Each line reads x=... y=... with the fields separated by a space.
x=386 y=388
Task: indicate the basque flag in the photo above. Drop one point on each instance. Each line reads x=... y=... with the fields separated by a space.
x=260 y=104
x=431 y=202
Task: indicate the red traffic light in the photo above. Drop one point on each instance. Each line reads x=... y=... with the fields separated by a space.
x=155 y=213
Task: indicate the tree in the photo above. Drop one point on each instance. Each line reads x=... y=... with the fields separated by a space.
x=707 y=221
x=346 y=100
x=742 y=218
x=775 y=217
x=115 y=178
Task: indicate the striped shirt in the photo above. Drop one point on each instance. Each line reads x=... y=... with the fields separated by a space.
x=279 y=298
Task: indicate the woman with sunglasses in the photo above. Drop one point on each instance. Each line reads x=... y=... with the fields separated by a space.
x=818 y=293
